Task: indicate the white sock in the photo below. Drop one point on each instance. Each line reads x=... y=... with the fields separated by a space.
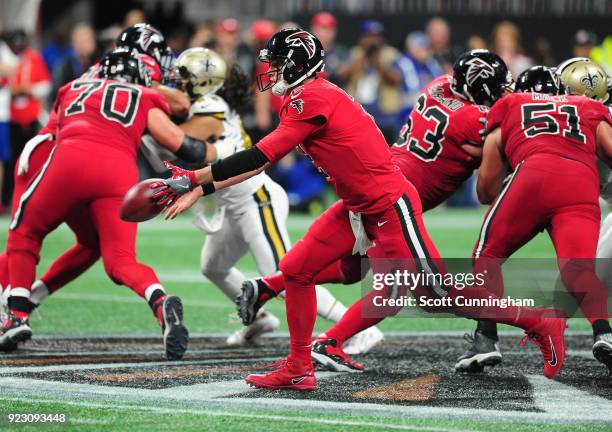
x=40 y=291
x=328 y=306
x=5 y=295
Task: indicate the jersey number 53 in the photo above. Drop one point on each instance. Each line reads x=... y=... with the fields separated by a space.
x=425 y=143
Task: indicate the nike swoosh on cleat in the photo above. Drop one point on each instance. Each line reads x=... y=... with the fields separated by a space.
x=177 y=321
x=296 y=381
x=553 y=360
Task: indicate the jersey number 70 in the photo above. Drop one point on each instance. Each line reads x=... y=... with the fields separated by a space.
x=107 y=108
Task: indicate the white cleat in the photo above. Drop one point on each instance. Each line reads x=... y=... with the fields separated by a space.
x=265 y=322
x=363 y=341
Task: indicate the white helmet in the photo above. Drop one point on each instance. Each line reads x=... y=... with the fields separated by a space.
x=200 y=71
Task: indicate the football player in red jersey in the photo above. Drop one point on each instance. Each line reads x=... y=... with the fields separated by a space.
x=437 y=150
x=344 y=142
x=100 y=123
x=541 y=132
x=80 y=257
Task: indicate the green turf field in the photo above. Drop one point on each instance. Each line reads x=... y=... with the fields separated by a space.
x=93 y=304
x=92 y=307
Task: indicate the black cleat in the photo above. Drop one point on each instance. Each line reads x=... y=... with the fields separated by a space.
x=13 y=331
x=247 y=302
x=602 y=349
x=483 y=351
x=176 y=335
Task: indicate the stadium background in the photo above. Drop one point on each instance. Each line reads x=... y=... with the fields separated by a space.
x=92 y=308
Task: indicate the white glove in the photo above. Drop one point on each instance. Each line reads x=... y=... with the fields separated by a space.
x=200 y=221
x=24 y=159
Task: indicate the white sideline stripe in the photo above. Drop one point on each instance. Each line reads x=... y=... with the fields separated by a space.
x=559 y=399
x=211 y=413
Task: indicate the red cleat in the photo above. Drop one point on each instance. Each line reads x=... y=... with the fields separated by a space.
x=291 y=375
x=548 y=336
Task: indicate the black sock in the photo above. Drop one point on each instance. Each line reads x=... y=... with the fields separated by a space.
x=20 y=304
x=601 y=326
x=488 y=328
x=154 y=300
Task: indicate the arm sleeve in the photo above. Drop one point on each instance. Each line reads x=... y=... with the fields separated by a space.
x=238 y=163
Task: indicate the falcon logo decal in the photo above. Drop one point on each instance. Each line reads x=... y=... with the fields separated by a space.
x=298 y=104
x=478 y=69
x=590 y=81
x=302 y=39
x=148 y=36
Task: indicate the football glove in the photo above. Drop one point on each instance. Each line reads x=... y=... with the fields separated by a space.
x=181 y=182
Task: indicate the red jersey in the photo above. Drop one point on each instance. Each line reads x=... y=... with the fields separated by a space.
x=96 y=114
x=343 y=142
x=428 y=151
x=535 y=123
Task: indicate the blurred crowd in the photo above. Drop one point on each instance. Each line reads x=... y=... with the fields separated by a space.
x=386 y=79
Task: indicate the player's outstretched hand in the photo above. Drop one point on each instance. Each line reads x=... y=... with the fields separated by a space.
x=181 y=182
x=183 y=203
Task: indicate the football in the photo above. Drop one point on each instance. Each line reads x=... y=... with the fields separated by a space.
x=138 y=204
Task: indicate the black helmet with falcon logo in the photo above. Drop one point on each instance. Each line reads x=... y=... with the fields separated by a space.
x=481 y=77
x=146 y=39
x=293 y=55
x=540 y=79
x=125 y=66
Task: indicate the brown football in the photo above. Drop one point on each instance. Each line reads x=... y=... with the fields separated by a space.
x=138 y=204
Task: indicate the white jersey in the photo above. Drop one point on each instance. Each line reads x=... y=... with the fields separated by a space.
x=233 y=140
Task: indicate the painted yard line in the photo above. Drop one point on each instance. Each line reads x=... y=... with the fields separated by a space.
x=76 y=355
x=211 y=413
x=559 y=399
x=24 y=388
x=126 y=365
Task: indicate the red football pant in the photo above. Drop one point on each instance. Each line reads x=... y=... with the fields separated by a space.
x=399 y=234
x=77 y=182
x=537 y=197
x=347 y=270
x=75 y=260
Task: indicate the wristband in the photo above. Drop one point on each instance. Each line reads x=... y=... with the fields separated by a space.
x=208 y=188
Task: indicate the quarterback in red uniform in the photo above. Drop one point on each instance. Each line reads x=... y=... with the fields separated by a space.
x=344 y=143
x=437 y=150
x=550 y=141
x=100 y=123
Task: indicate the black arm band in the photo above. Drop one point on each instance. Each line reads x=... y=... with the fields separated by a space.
x=238 y=163
x=192 y=150
x=208 y=189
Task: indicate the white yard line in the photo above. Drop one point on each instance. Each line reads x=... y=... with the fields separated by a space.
x=221 y=413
